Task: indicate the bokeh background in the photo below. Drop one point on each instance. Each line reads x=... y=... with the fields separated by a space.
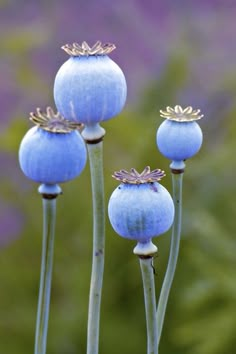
x=172 y=52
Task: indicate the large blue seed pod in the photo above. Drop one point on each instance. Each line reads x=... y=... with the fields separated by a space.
x=179 y=137
x=140 y=208
x=89 y=87
x=53 y=151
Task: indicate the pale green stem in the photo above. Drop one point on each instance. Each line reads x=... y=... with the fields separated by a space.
x=150 y=303
x=95 y=152
x=49 y=218
x=177 y=179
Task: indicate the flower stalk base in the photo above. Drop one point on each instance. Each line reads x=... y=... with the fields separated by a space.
x=95 y=152
x=49 y=218
x=177 y=181
x=146 y=265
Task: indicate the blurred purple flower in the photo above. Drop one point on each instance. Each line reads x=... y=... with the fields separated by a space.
x=11 y=223
x=10 y=174
x=11 y=217
x=147 y=35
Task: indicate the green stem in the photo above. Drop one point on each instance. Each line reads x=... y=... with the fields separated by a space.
x=95 y=152
x=150 y=303
x=49 y=218
x=177 y=181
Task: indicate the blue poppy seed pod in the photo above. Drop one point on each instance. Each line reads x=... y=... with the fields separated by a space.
x=53 y=151
x=89 y=87
x=179 y=137
x=140 y=208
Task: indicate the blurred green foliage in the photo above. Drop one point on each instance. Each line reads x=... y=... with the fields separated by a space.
x=201 y=312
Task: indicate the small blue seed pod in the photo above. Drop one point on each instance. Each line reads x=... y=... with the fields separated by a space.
x=179 y=137
x=89 y=87
x=53 y=151
x=140 y=208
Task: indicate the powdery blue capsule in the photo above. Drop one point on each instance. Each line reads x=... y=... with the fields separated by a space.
x=140 y=208
x=89 y=87
x=179 y=137
x=53 y=151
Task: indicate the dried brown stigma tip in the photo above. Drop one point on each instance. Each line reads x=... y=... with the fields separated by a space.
x=133 y=177
x=77 y=50
x=180 y=114
x=52 y=122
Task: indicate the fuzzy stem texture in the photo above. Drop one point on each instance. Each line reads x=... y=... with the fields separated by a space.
x=177 y=181
x=150 y=303
x=49 y=219
x=95 y=152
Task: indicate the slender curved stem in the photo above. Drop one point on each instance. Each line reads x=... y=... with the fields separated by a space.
x=95 y=152
x=177 y=181
x=49 y=218
x=150 y=303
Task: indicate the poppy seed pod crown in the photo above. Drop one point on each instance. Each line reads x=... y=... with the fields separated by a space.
x=140 y=208
x=53 y=151
x=89 y=87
